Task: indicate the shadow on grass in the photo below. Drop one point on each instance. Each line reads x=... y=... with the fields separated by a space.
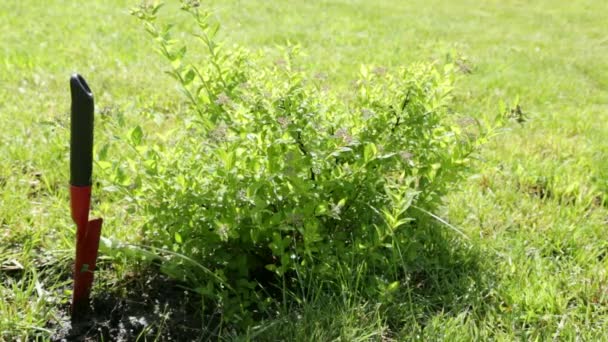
x=450 y=277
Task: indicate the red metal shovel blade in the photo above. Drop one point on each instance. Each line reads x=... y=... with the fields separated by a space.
x=86 y=260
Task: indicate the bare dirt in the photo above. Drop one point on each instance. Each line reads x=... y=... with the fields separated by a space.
x=153 y=308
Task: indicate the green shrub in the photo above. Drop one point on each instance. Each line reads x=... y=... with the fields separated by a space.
x=269 y=182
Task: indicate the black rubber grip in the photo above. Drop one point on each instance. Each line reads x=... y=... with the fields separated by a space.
x=81 y=139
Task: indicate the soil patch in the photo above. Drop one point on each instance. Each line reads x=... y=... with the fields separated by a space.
x=154 y=308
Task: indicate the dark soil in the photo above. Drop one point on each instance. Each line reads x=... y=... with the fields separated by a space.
x=154 y=308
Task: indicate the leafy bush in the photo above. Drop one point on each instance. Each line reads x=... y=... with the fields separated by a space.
x=269 y=182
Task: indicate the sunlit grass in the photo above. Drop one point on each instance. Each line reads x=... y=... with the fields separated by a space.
x=534 y=208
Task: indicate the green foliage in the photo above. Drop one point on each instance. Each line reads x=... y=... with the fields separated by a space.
x=270 y=181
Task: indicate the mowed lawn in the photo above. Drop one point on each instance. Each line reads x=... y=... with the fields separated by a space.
x=535 y=206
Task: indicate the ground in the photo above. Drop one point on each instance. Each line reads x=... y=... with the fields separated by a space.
x=534 y=205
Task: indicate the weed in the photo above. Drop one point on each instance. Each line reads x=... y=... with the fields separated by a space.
x=273 y=184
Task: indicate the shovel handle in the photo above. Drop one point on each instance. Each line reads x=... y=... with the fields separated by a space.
x=81 y=141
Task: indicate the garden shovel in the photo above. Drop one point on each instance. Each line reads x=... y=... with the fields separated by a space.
x=81 y=166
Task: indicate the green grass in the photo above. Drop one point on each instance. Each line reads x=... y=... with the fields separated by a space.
x=534 y=209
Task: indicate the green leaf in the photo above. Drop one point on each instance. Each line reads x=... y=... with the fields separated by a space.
x=178 y=55
x=104 y=165
x=103 y=152
x=136 y=135
x=321 y=209
x=178 y=238
x=156 y=7
x=189 y=76
x=369 y=151
x=392 y=287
